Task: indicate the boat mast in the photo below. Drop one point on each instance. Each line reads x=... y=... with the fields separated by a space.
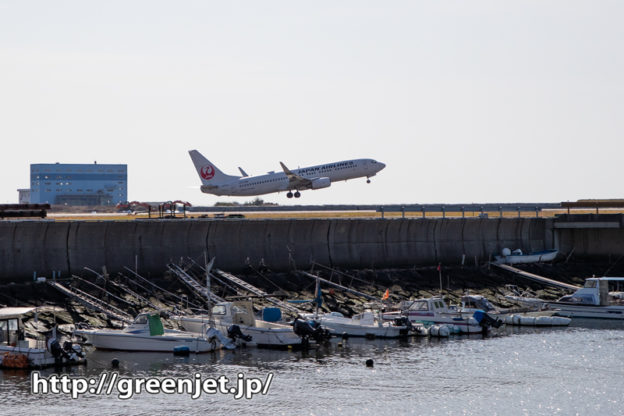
x=207 y=267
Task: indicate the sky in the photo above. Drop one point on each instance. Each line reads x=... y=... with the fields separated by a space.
x=480 y=101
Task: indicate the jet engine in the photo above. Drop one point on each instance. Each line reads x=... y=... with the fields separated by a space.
x=319 y=183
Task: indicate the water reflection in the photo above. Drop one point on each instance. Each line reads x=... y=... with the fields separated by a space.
x=524 y=370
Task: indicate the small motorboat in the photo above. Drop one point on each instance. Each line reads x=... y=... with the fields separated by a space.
x=518 y=257
x=17 y=351
x=593 y=300
x=517 y=317
x=238 y=321
x=365 y=324
x=146 y=333
x=434 y=311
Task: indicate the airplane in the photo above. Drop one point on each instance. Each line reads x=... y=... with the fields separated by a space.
x=314 y=177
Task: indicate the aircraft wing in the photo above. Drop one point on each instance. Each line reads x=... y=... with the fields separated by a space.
x=294 y=179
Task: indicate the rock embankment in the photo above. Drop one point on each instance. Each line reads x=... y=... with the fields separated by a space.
x=133 y=296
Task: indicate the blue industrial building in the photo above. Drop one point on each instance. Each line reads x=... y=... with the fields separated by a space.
x=78 y=184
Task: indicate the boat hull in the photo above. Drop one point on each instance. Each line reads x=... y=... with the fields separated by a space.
x=587 y=311
x=542 y=256
x=36 y=358
x=112 y=340
x=459 y=324
x=271 y=335
x=354 y=330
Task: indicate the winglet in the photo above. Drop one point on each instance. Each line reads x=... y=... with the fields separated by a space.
x=243 y=172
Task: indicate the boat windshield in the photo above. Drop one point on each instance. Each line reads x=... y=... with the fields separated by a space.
x=8 y=332
x=219 y=310
x=590 y=283
x=141 y=319
x=422 y=305
x=238 y=309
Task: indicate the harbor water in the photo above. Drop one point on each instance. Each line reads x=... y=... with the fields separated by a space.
x=577 y=370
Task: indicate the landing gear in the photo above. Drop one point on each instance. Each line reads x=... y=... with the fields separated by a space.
x=289 y=194
x=367 y=180
x=297 y=194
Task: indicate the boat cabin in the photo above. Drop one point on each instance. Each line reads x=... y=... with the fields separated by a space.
x=433 y=305
x=473 y=302
x=239 y=312
x=596 y=292
x=11 y=331
x=148 y=323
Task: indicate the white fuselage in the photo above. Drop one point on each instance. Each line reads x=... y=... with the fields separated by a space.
x=279 y=181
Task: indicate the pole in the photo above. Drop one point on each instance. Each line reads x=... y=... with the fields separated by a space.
x=316 y=292
x=210 y=321
x=440 y=276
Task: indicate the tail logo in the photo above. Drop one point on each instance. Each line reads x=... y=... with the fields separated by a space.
x=207 y=172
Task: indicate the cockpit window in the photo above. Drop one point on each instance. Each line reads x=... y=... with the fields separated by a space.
x=218 y=310
x=238 y=309
x=419 y=306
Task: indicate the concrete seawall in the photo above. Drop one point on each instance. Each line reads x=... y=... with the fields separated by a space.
x=46 y=246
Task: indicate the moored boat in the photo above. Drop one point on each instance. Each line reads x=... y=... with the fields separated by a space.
x=237 y=319
x=516 y=317
x=434 y=310
x=593 y=300
x=146 y=333
x=17 y=351
x=365 y=324
x=518 y=257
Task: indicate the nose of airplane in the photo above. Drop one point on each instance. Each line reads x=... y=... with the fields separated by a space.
x=380 y=166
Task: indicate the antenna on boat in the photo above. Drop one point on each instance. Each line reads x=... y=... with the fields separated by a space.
x=317 y=299
x=440 y=276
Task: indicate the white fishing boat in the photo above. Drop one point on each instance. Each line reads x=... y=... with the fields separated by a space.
x=146 y=333
x=518 y=257
x=434 y=311
x=17 y=351
x=237 y=319
x=594 y=300
x=517 y=317
x=365 y=324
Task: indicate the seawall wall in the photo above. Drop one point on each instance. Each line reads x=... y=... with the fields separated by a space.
x=68 y=247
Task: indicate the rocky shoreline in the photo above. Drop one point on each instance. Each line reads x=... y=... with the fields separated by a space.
x=56 y=308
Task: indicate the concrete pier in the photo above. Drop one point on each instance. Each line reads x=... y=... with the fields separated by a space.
x=47 y=246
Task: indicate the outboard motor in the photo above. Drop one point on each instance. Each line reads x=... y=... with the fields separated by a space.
x=57 y=351
x=214 y=334
x=486 y=321
x=72 y=352
x=404 y=321
x=235 y=332
x=310 y=329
